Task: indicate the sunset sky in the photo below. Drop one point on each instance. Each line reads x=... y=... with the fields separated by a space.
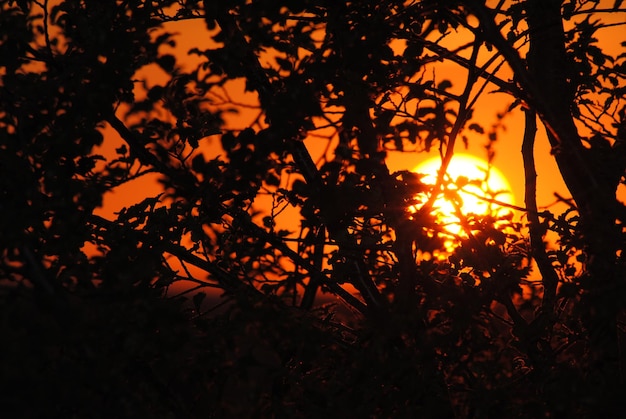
x=170 y=249
x=508 y=159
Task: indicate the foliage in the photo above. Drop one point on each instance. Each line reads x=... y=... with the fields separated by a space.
x=260 y=282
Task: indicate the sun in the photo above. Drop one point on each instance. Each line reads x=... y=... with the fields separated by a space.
x=470 y=189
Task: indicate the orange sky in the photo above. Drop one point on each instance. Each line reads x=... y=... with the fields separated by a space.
x=508 y=159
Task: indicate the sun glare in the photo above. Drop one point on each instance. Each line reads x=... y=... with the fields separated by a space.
x=470 y=188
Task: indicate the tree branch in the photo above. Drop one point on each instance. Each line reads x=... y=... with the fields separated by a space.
x=139 y=150
x=318 y=257
x=549 y=276
x=471 y=66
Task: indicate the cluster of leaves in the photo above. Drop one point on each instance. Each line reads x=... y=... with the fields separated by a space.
x=262 y=283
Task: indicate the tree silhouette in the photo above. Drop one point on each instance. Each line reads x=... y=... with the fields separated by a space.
x=263 y=281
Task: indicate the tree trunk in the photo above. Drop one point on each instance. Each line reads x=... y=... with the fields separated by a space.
x=553 y=95
x=588 y=177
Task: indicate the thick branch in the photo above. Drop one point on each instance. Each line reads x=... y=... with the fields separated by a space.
x=318 y=258
x=549 y=276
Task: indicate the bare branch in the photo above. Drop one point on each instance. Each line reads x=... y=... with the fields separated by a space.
x=548 y=274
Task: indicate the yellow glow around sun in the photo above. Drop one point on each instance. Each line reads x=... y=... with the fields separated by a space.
x=471 y=187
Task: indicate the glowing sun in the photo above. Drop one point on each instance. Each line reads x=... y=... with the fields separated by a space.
x=470 y=188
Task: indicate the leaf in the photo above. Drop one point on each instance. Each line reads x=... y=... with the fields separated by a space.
x=198 y=163
x=272 y=179
x=228 y=141
x=427 y=110
x=444 y=85
x=477 y=128
x=156 y=93
x=268 y=222
x=167 y=62
x=197 y=299
x=284 y=63
x=122 y=150
x=568 y=9
x=461 y=181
